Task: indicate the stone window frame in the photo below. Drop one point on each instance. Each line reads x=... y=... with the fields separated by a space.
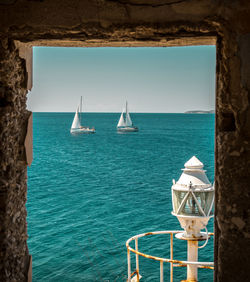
x=26 y=52
x=177 y=34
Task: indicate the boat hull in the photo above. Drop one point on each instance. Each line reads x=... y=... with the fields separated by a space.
x=127 y=129
x=83 y=130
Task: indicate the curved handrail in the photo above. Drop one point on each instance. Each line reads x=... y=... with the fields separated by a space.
x=209 y=265
x=163 y=259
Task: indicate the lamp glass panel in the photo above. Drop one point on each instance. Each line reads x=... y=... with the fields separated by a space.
x=205 y=200
x=178 y=196
x=191 y=208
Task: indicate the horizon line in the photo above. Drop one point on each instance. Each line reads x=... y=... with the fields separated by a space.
x=186 y=112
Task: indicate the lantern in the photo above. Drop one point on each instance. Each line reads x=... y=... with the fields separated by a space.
x=192 y=199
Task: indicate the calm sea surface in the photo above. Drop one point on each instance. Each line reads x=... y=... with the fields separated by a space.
x=87 y=194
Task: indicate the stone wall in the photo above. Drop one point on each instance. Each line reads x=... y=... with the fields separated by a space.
x=232 y=244
x=13 y=173
x=131 y=23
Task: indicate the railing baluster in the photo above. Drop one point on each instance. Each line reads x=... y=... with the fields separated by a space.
x=161 y=271
x=171 y=257
x=129 y=267
x=137 y=259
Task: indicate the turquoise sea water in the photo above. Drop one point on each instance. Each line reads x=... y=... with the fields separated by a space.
x=87 y=194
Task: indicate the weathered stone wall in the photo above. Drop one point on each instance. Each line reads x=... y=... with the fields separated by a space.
x=232 y=216
x=132 y=23
x=13 y=171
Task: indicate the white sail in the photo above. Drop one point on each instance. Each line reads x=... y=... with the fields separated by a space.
x=76 y=122
x=121 y=121
x=128 y=119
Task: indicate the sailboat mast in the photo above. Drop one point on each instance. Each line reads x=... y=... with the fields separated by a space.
x=81 y=111
x=126 y=111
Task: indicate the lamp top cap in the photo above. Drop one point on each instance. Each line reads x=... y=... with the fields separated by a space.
x=194 y=163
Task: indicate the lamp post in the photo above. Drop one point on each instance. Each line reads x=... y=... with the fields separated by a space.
x=192 y=199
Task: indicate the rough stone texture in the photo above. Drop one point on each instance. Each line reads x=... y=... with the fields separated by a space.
x=13 y=187
x=132 y=23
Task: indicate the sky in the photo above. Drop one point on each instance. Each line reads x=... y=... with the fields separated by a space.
x=151 y=79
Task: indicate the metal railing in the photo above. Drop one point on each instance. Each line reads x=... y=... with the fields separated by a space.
x=173 y=262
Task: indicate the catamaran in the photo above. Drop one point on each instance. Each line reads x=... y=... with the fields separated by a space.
x=76 y=124
x=126 y=124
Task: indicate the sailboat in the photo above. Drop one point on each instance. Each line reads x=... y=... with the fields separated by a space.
x=76 y=124
x=125 y=124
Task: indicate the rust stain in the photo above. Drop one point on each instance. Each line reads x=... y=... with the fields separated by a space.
x=133 y=273
x=149 y=233
x=206 y=266
x=138 y=275
x=180 y=265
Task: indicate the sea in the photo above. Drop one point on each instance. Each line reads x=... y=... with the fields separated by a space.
x=89 y=193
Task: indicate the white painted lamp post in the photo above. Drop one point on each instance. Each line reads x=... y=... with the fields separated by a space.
x=193 y=198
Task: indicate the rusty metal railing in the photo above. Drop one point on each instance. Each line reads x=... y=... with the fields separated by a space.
x=173 y=262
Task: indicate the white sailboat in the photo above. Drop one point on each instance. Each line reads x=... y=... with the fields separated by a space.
x=76 y=124
x=126 y=124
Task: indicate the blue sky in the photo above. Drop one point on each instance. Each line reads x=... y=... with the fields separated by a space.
x=152 y=79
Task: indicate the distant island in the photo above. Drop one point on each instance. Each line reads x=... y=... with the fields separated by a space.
x=200 y=112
